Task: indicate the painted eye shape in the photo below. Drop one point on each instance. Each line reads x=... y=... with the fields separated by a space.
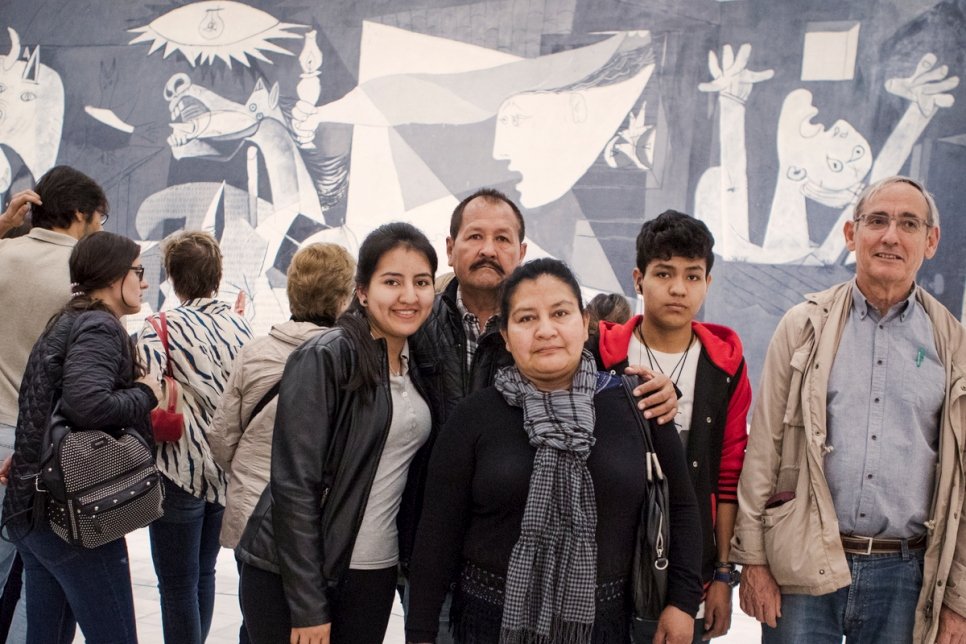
x=857 y=153
x=28 y=96
x=835 y=165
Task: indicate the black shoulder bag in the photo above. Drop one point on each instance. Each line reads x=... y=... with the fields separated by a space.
x=100 y=485
x=650 y=567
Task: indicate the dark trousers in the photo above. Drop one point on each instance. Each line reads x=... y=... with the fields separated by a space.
x=360 y=613
x=184 y=547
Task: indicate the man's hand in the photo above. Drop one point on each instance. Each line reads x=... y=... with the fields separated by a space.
x=5 y=470
x=674 y=627
x=17 y=209
x=717 y=610
x=658 y=399
x=927 y=87
x=759 y=595
x=952 y=627
x=311 y=634
x=731 y=75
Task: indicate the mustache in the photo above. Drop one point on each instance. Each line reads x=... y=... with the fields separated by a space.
x=487 y=262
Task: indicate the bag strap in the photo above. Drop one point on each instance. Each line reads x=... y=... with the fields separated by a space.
x=629 y=383
x=263 y=402
x=162 y=331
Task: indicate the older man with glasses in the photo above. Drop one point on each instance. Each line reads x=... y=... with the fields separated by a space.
x=851 y=497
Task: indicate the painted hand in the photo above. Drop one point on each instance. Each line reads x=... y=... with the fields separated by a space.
x=732 y=76
x=927 y=86
x=305 y=120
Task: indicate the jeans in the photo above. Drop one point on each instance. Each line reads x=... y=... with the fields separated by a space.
x=184 y=547
x=879 y=607
x=18 y=626
x=69 y=585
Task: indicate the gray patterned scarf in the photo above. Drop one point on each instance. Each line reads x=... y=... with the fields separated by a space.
x=552 y=575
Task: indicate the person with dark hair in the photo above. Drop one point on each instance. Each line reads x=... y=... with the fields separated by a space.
x=34 y=285
x=352 y=429
x=705 y=362
x=204 y=335
x=535 y=489
x=85 y=360
x=609 y=307
x=459 y=349
x=319 y=285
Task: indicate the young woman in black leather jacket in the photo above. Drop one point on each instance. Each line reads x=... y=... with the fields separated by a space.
x=320 y=553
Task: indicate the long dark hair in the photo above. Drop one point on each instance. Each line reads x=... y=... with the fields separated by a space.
x=355 y=321
x=98 y=260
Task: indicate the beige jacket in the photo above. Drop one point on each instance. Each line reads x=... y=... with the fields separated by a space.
x=242 y=445
x=799 y=541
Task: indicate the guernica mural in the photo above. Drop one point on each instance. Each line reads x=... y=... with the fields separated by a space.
x=274 y=124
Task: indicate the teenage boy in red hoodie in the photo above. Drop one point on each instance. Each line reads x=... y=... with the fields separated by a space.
x=705 y=363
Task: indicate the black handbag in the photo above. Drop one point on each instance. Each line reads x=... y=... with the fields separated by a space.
x=650 y=564
x=99 y=485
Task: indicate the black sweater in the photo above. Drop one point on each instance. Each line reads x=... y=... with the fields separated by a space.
x=477 y=486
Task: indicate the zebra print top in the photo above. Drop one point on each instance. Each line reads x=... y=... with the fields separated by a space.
x=204 y=336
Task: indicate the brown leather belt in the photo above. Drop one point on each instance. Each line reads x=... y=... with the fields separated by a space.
x=855 y=545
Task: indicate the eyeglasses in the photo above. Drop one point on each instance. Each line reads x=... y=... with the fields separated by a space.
x=139 y=271
x=879 y=222
x=103 y=216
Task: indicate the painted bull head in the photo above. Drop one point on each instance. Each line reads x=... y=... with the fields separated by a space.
x=31 y=110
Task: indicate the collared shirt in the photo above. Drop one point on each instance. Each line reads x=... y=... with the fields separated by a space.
x=471 y=327
x=377 y=544
x=885 y=394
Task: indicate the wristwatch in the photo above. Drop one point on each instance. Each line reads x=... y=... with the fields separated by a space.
x=727 y=573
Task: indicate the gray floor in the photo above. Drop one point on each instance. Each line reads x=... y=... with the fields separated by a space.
x=227 y=617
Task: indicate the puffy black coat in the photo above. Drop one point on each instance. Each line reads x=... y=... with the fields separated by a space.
x=325 y=449
x=88 y=356
x=439 y=349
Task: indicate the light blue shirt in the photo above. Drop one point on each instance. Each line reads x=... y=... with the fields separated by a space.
x=885 y=394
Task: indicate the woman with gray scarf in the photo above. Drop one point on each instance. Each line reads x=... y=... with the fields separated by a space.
x=535 y=488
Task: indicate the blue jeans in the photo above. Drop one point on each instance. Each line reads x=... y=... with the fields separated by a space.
x=68 y=585
x=879 y=607
x=18 y=627
x=184 y=547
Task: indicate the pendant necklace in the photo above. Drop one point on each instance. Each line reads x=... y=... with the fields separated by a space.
x=655 y=364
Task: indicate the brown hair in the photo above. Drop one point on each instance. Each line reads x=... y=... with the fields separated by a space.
x=612 y=307
x=320 y=281
x=192 y=261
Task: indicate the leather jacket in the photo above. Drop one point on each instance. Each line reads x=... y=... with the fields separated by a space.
x=439 y=349
x=325 y=450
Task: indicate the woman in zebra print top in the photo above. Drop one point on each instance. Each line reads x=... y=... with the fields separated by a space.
x=204 y=336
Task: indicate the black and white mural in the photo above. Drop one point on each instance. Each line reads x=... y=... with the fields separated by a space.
x=273 y=124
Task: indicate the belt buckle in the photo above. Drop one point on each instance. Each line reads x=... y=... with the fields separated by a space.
x=868 y=548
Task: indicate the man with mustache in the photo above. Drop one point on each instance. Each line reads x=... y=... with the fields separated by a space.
x=850 y=503
x=459 y=348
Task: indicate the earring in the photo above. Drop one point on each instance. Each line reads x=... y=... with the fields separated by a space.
x=364 y=302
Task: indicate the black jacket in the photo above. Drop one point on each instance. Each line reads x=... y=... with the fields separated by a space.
x=89 y=356
x=325 y=449
x=439 y=349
